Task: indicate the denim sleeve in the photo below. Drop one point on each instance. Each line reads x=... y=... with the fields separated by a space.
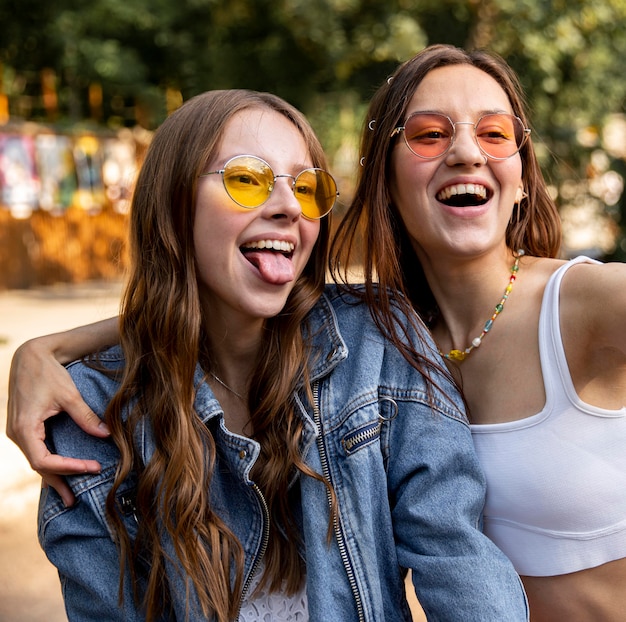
x=437 y=491
x=78 y=540
x=78 y=543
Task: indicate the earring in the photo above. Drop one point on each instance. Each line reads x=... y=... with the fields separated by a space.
x=520 y=195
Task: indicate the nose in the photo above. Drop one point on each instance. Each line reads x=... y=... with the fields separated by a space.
x=282 y=202
x=464 y=148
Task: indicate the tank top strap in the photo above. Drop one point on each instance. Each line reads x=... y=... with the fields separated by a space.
x=551 y=350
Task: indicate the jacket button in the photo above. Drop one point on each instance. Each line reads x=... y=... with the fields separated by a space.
x=243 y=453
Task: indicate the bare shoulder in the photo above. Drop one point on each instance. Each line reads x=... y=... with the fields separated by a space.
x=593 y=298
x=593 y=283
x=587 y=271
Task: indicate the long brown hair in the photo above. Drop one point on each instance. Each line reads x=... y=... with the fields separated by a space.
x=372 y=230
x=161 y=328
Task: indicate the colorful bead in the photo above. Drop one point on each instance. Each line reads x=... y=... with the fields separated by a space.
x=456 y=355
x=459 y=355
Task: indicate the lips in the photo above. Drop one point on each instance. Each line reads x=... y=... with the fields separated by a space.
x=460 y=195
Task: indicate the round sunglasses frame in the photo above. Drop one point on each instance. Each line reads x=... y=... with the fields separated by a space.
x=401 y=129
x=270 y=188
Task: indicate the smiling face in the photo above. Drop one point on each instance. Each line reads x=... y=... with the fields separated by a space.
x=248 y=260
x=461 y=201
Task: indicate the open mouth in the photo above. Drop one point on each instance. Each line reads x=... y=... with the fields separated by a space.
x=464 y=195
x=272 y=259
x=274 y=246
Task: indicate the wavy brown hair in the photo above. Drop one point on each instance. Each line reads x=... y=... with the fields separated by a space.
x=372 y=232
x=161 y=329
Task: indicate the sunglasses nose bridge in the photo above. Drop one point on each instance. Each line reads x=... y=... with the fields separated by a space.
x=290 y=201
x=271 y=181
x=472 y=134
x=292 y=183
x=472 y=131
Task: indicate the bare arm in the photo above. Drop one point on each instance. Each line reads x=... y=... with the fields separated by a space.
x=595 y=295
x=40 y=387
x=593 y=323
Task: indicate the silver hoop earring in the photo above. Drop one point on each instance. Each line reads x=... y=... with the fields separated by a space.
x=371 y=124
x=362 y=161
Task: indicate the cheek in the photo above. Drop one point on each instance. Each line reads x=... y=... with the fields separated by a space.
x=409 y=177
x=509 y=173
x=214 y=234
x=309 y=232
x=408 y=189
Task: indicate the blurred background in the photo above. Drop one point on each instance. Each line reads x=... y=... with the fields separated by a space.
x=83 y=85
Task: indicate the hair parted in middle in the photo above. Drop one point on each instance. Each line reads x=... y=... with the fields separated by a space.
x=372 y=232
x=162 y=335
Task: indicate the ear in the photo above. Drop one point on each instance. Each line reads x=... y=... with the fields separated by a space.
x=520 y=194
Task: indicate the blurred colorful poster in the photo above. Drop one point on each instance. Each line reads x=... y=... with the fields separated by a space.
x=119 y=170
x=19 y=184
x=57 y=174
x=88 y=162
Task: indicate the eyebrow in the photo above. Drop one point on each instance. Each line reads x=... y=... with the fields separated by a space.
x=481 y=113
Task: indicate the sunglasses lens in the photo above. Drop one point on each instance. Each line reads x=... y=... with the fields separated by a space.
x=500 y=135
x=316 y=192
x=248 y=181
x=428 y=135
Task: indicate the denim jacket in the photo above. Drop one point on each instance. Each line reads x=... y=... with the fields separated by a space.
x=409 y=487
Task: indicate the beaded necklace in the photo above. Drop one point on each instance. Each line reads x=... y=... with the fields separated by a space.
x=460 y=355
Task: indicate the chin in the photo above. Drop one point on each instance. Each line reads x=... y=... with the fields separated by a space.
x=268 y=311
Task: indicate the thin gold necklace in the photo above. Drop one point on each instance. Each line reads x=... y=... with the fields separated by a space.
x=459 y=356
x=241 y=397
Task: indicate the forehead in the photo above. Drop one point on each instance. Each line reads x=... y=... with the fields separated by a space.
x=257 y=125
x=265 y=133
x=458 y=91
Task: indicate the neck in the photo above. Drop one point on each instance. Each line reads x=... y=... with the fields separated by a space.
x=233 y=352
x=471 y=297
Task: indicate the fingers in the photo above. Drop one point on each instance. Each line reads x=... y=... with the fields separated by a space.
x=51 y=467
x=39 y=388
x=59 y=484
x=74 y=405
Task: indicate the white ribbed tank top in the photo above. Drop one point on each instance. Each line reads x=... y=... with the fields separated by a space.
x=556 y=481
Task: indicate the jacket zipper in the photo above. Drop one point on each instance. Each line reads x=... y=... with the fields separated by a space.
x=264 y=543
x=369 y=433
x=336 y=526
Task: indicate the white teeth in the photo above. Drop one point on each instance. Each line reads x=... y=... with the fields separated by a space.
x=277 y=245
x=473 y=189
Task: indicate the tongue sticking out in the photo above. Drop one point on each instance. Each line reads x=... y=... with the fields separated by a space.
x=274 y=267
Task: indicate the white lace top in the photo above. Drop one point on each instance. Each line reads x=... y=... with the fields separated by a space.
x=273 y=606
